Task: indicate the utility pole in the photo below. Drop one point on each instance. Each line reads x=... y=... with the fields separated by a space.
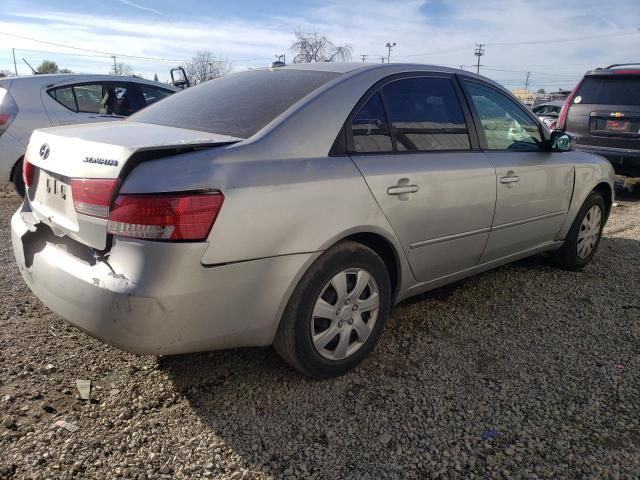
x=115 y=66
x=15 y=67
x=389 y=47
x=363 y=57
x=383 y=59
x=526 y=81
x=479 y=51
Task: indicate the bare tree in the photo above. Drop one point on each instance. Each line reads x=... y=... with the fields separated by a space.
x=205 y=65
x=121 y=68
x=314 y=47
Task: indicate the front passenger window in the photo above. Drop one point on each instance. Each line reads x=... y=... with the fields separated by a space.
x=506 y=126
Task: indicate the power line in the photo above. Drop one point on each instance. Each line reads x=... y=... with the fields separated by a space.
x=450 y=50
x=558 y=40
x=562 y=40
x=109 y=54
x=86 y=49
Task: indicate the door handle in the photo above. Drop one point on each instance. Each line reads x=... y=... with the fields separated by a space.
x=509 y=178
x=400 y=190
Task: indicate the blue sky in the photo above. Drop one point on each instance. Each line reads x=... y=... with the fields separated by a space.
x=556 y=41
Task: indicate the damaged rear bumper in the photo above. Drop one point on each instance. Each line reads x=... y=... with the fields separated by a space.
x=156 y=297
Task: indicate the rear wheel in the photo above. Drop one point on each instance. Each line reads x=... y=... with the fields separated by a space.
x=583 y=238
x=16 y=177
x=336 y=313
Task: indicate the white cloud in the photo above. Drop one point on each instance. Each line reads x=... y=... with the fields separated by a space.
x=421 y=28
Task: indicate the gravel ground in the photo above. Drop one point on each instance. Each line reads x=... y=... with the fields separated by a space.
x=524 y=372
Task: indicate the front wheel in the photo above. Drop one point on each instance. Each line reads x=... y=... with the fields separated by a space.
x=336 y=313
x=583 y=238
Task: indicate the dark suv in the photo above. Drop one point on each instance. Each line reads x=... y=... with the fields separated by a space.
x=603 y=114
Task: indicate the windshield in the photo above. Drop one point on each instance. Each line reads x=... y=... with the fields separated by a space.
x=238 y=105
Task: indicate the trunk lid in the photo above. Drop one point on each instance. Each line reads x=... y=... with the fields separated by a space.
x=94 y=151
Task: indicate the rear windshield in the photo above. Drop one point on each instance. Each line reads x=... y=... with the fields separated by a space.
x=610 y=91
x=238 y=105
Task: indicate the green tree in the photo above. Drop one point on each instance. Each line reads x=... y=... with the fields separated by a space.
x=48 y=66
x=155 y=77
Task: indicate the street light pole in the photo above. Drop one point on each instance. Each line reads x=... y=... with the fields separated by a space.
x=389 y=47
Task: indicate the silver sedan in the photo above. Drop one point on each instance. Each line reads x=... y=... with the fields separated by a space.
x=295 y=206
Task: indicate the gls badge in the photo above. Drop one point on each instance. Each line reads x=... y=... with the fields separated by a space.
x=101 y=161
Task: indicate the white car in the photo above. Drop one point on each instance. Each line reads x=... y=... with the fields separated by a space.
x=39 y=101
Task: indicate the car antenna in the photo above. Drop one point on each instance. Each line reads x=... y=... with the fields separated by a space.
x=34 y=72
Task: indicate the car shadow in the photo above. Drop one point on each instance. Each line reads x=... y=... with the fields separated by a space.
x=450 y=365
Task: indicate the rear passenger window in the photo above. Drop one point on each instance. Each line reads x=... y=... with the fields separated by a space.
x=425 y=115
x=65 y=97
x=370 y=129
x=89 y=98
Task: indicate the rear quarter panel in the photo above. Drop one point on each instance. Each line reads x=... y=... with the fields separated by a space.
x=272 y=207
x=31 y=113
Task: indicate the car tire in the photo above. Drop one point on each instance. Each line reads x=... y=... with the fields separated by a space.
x=16 y=177
x=583 y=238
x=350 y=284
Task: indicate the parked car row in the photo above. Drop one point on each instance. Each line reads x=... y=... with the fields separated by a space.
x=295 y=206
x=38 y=101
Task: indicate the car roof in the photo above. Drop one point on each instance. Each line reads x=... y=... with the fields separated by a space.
x=50 y=79
x=616 y=68
x=346 y=67
x=353 y=68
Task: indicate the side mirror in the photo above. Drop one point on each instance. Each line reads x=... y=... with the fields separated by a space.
x=561 y=142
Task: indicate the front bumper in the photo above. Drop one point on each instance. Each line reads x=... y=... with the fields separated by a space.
x=157 y=298
x=625 y=161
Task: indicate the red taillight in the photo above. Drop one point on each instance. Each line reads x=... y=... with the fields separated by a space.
x=8 y=109
x=164 y=217
x=92 y=196
x=562 y=118
x=28 y=173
